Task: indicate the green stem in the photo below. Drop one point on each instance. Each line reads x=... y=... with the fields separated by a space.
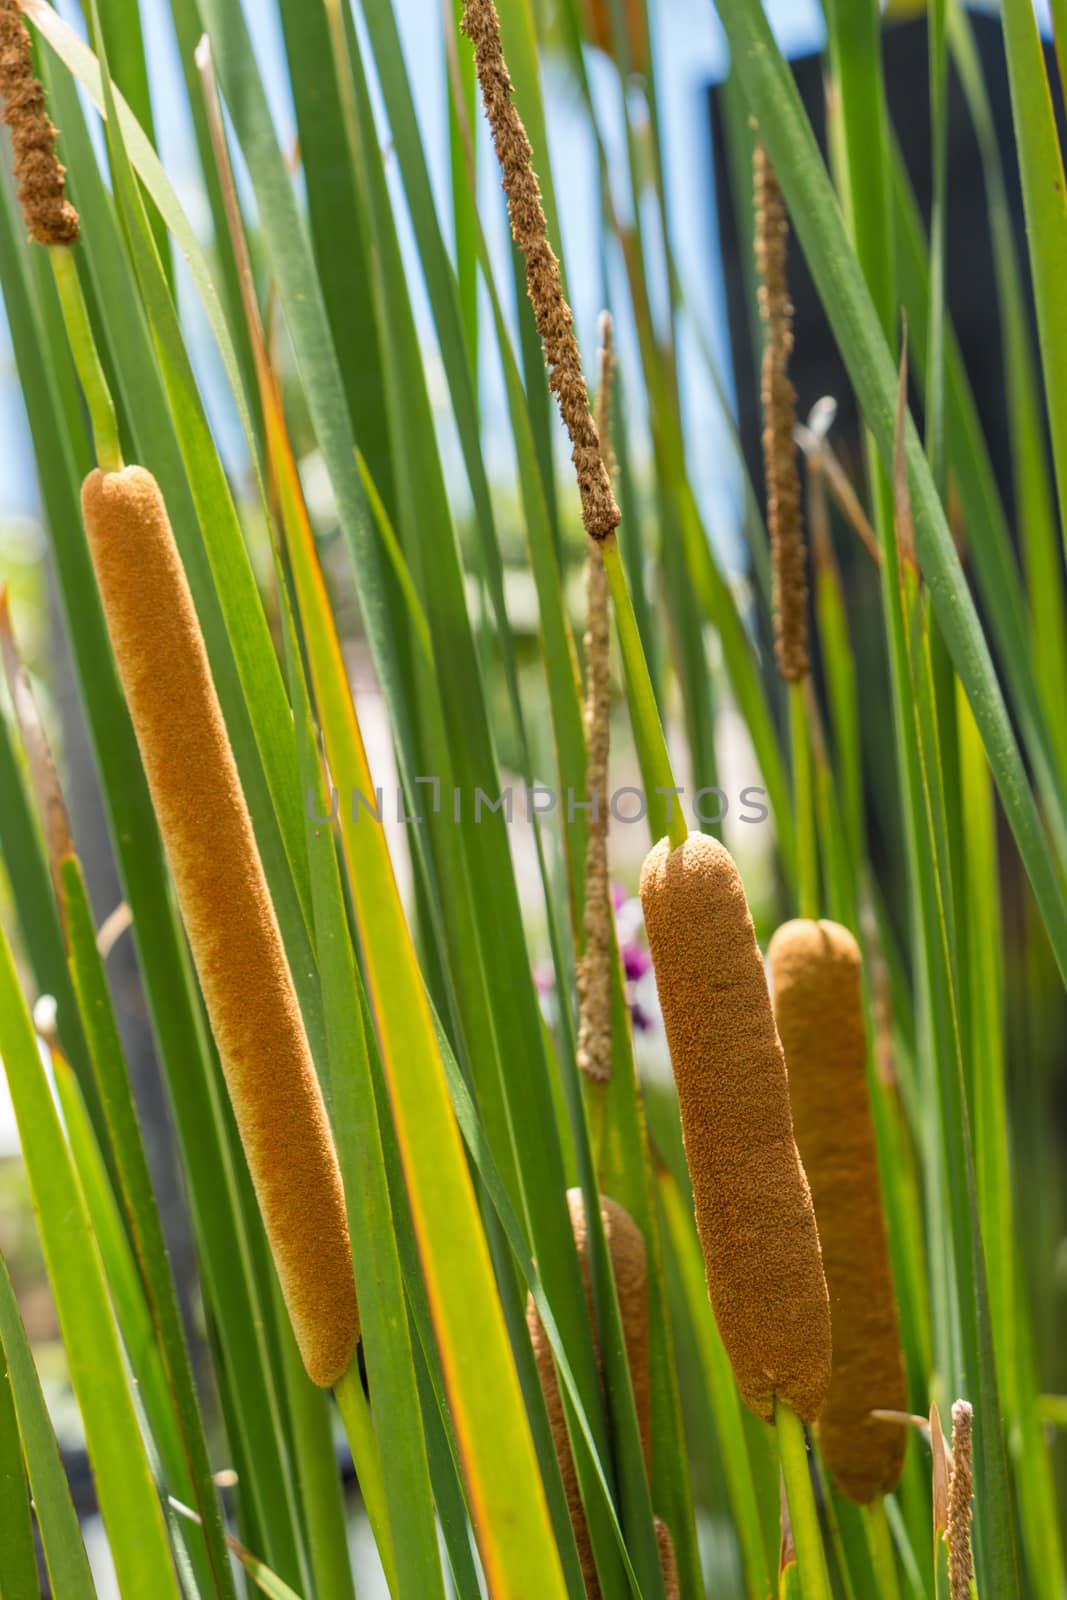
x=86 y=359
x=363 y=1442
x=807 y=1536
x=804 y=802
x=648 y=729
x=880 y=1540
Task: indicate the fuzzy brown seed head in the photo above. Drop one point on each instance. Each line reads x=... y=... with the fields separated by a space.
x=50 y=217
x=226 y=908
x=816 y=971
x=788 y=555
x=753 y=1207
x=626 y=1248
x=600 y=514
x=668 y=1561
x=960 y=1494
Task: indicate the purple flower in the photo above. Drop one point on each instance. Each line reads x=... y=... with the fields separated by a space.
x=636 y=960
x=639 y=1017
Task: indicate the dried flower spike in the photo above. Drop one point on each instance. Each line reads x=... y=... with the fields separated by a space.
x=226 y=908
x=50 y=217
x=45 y=779
x=600 y=514
x=818 y=1002
x=626 y=1248
x=668 y=1561
x=788 y=556
x=753 y=1207
x=594 y=972
x=960 y=1494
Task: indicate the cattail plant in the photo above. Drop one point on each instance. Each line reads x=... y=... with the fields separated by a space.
x=778 y=399
x=626 y=1249
x=668 y=1561
x=753 y=1206
x=600 y=514
x=50 y=217
x=816 y=972
x=227 y=909
x=196 y=791
x=594 y=973
x=401 y=965
x=960 y=1494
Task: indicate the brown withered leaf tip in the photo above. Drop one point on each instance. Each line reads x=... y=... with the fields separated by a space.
x=49 y=215
x=594 y=971
x=751 y=1198
x=600 y=514
x=778 y=399
x=960 y=1493
x=816 y=974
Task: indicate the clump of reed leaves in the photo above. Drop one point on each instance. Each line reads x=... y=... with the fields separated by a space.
x=916 y=779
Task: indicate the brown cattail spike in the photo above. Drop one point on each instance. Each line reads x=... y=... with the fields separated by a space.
x=50 y=217
x=816 y=976
x=46 y=786
x=668 y=1561
x=960 y=1494
x=226 y=908
x=594 y=972
x=600 y=514
x=753 y=1208
x=626 y=1248
x=779 y=418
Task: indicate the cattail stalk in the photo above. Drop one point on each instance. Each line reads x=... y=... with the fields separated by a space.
x=600 y=514
x=816 y=977
x=751 y=1199
x=555 y=324
x=594 y=972
x=668 y=1561
x=753 y=1207
x=778 y=397
x=626 y=1249
x=960 y=1494
x=50 y=218
x=788 y=553
x=226 y=908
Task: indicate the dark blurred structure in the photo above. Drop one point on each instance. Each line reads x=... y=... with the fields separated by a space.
x=817 y=369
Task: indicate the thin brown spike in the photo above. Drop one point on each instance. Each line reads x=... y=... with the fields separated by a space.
x=960 y=1494
x=600 y=514
x=594 y=973
x=778 y=397
x=50 y=218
